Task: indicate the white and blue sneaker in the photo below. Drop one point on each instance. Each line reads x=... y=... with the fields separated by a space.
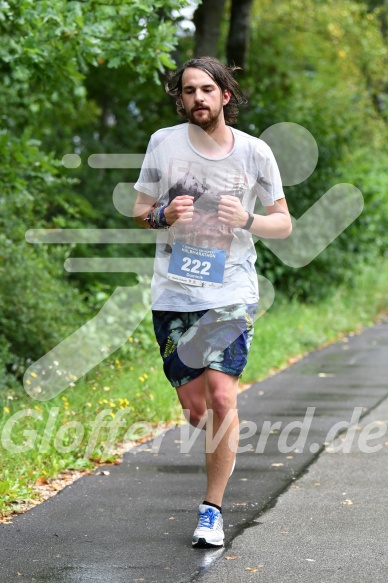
x=209 y=531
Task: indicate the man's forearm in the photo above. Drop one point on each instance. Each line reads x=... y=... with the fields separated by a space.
x=140 y=213
x=274 y=226
x=142 y=222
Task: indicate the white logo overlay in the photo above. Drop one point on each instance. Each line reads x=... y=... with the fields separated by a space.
x=268 y=435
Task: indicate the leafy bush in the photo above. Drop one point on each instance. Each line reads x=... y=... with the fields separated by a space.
x=6 y=360
x=323 y=65
x=47 y=52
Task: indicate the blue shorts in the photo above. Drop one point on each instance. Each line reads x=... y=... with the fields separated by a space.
x=218 y=338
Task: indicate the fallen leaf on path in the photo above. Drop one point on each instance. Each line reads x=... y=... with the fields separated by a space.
x=257 y=569
x=277 y=465
x=347 y=502
x=41 y=481
x=232 y=557
x=104 y=473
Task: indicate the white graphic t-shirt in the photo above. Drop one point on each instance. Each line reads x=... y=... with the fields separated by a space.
x=204 y=264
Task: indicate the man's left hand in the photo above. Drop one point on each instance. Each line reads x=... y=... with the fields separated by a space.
x=231 y=212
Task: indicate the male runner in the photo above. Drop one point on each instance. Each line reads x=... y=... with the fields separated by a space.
x=198 y=185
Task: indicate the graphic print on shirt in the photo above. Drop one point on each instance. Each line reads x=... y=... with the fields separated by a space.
x=206 y=184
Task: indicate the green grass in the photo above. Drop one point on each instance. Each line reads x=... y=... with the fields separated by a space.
x=133 y=382
x=133 y=385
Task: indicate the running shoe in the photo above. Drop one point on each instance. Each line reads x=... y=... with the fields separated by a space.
x=209 y=531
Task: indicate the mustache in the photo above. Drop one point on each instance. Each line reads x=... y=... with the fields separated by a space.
x=200 y=107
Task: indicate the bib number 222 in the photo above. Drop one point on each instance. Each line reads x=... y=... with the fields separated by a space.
x=195 y=266
x=200 y=266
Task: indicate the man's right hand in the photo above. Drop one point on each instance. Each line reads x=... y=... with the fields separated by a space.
x=181 y=209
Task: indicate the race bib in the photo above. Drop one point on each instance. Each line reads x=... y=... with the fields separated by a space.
x=199 y=266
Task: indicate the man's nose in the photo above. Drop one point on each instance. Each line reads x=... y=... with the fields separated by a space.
x=198 y=96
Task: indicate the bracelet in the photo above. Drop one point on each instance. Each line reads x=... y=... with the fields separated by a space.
x=249 y=222
x=156 y=218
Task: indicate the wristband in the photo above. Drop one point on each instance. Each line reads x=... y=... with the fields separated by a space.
x=249 y=222
x=156 y=218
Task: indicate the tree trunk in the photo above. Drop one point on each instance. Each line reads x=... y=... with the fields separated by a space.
x=237 y=44
x=383 y=16
x=384 y=19
x=206 y=19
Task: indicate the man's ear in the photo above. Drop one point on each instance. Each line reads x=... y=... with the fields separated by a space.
x=226 y=97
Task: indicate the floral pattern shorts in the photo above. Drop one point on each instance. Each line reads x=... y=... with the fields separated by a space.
x=218 y=338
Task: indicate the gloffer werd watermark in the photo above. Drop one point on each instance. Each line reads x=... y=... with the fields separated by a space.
x=241 y=436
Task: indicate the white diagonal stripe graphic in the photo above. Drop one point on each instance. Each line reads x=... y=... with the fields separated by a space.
x=338 y=208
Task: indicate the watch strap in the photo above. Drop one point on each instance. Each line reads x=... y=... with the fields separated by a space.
x=249 y=222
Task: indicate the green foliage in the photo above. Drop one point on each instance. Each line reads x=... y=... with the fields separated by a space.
x=38 y=308
x=6 y=358
x=49 y=46
x=84 y=78
x=35 y=298
x=48 y=51
x=324 y=66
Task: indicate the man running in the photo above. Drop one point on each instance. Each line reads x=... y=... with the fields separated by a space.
x=198 y=184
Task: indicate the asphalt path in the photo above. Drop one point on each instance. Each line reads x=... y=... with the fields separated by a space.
x=330 y=526
x=136 y=523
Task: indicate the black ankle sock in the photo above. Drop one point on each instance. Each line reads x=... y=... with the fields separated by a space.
x=214 y=505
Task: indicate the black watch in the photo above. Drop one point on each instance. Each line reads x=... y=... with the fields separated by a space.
x=249 y=222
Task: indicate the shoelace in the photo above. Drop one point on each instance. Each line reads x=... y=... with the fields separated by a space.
x=207 y=518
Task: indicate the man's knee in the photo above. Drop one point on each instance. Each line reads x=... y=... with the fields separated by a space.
x=221 y=394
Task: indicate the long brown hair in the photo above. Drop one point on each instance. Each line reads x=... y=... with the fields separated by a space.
x=220 y=73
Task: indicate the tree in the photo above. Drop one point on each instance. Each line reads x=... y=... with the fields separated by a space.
x=381 y=8
x=321 y=65
x=207 y=20
x=47 y=52
x=237 y=43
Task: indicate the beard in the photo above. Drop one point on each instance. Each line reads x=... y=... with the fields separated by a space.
x=208 y=121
